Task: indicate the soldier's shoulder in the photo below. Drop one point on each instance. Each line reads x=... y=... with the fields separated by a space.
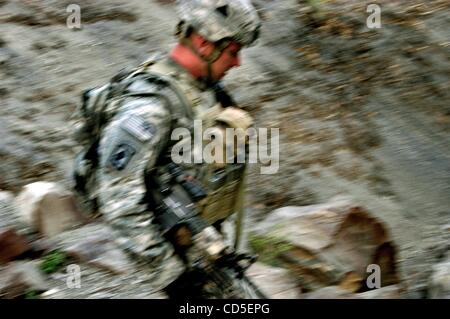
x=152 y=84
x=147 y=106
x=161 y=83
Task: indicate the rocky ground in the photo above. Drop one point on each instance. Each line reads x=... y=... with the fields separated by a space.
x=362 y=113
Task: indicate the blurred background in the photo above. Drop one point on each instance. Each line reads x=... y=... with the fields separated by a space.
x=364 y=118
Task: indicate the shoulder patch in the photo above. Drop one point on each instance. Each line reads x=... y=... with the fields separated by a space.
x=121 y=155
x=138 y=127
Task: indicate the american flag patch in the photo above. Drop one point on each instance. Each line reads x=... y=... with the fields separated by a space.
x=139 y=128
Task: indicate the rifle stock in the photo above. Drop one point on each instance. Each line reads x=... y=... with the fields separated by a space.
x=213 y=268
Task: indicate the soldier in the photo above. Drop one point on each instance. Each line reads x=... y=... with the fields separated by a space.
x=126 y=127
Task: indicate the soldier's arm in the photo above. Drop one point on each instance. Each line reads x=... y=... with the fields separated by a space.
x=129 y=146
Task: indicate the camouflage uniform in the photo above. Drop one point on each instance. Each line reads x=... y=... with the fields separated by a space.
x=136 y=129
x=130 y=145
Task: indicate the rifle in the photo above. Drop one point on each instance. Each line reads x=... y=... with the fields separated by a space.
x=214 y=270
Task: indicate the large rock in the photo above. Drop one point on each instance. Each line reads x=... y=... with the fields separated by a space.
x=101 y=253
x=12 y=245
x=327 y=245
x=21 y=278
x=439 y=285
x=48 y=208
x=94 y=245
x=274 y=282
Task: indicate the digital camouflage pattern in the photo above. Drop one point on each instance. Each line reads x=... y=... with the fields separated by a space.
x=221 y=19
x=129 y=146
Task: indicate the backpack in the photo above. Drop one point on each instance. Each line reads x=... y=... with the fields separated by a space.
x=97 y=107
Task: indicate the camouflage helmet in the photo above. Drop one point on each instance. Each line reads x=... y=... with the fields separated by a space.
x=220 y=19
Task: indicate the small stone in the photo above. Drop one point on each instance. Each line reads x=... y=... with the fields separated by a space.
x=12 y=245
x=49 y=293
x=21 y=278
x=388 y=292
x=439 y=284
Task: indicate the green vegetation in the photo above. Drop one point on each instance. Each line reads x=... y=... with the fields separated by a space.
x=53 y=261
x=31 y=294
x=269 y=247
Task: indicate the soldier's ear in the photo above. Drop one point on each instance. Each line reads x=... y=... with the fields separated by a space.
x=204 y=46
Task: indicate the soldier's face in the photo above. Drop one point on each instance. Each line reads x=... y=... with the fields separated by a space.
x=228 y=59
